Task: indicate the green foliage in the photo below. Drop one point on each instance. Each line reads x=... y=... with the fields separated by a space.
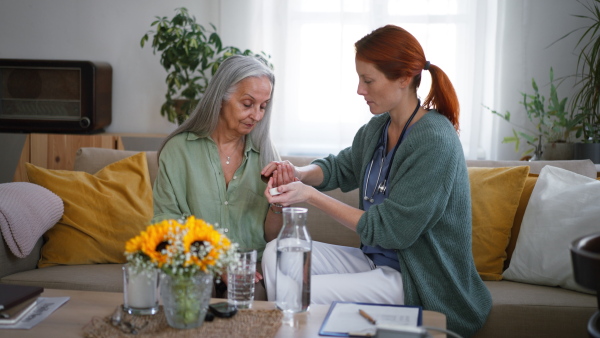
x=587 y=99
x=191 y=55
x=551 y=122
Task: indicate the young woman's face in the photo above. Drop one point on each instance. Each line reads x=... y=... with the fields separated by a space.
x=246 y=106
x=382 y=95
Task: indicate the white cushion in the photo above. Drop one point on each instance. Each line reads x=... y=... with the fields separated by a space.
x=563 y=207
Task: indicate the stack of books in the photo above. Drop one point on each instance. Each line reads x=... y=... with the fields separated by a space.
x=16 y=301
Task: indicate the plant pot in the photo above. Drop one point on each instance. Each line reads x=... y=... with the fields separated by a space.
x=584 y=151
x=185 y=299
x=557 y=151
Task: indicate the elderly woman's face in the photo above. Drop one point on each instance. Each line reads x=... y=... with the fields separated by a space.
x=246 y=106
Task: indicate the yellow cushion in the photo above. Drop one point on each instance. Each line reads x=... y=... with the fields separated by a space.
x=530 y=182
x=495 y=195
x=102 y=211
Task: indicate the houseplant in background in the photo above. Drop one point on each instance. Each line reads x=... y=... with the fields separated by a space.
x=189 y=254
x=586 y=101
x=550 y=137
x=190 y=54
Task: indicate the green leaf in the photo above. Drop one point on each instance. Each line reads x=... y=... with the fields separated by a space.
x=143 y=41
x=187 y=51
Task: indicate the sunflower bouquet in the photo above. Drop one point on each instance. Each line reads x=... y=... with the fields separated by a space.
x=181 y=248
x=189 y=253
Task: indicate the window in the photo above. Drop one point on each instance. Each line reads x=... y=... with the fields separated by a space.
x=317 y=109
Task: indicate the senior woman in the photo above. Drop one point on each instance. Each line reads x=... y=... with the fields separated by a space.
x=210 y=166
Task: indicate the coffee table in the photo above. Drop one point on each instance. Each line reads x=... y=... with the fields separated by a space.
x=69 y=319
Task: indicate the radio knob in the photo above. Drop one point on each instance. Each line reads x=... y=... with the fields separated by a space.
x=85 y=122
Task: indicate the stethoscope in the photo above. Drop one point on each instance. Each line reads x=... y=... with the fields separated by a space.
x=382 y=187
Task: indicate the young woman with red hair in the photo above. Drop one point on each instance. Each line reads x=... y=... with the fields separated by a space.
x=414 y=216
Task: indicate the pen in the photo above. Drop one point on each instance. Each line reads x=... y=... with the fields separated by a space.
x=367 y=317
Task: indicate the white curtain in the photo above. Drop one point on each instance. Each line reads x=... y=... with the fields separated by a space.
x=317 y=110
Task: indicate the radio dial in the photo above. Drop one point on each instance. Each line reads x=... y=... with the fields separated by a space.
x=85 y=122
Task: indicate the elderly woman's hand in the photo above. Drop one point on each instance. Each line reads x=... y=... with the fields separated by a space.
x=283 y=172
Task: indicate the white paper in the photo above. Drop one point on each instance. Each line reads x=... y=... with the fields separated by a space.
x=43 y=308
x=345 y=317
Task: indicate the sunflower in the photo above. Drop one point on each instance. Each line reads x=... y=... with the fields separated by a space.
x=181 y=249
x=204 y=244
x=155 y=242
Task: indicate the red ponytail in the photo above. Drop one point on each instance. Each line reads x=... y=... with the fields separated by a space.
x=396 y=53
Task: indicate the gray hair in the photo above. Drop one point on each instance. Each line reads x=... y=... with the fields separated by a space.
x=203 y=120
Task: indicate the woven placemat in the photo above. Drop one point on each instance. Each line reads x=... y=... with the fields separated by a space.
x=246 y=323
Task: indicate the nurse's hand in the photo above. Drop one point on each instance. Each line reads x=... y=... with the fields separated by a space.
x=288 y=194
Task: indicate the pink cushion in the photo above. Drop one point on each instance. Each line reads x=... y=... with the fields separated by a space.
x=27 y=210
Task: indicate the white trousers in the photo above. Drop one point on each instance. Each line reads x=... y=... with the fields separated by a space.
x=340 y=273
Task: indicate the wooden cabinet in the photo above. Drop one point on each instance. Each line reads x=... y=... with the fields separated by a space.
x=57 y=151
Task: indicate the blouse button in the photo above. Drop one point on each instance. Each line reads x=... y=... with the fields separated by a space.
x=226 y=203
x=234 y=177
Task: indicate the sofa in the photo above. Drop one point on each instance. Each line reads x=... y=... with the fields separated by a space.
x=519 y=309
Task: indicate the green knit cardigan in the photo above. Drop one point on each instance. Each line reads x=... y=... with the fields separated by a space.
x=426 y=217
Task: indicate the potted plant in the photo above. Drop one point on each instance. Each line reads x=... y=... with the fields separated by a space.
x=552 y=125
x=586 y=101
x=191 y=55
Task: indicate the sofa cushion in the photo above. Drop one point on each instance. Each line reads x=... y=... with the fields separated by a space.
x=27 y=210
x=88 y=277
x=92 y=159
x=523 y=201
x=524 y=310
x=102 y=211
x=563 y=207
x=495 y=194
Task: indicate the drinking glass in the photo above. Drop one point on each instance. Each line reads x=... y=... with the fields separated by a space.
x=240 y=279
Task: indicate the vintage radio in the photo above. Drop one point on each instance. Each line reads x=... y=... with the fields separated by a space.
x=55 y=96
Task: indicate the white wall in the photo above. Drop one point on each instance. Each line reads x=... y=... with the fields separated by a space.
x=530 y=26
x=110 y=30
x=101 y=30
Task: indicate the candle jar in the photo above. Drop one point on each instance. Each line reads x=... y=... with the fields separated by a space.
x=140 y=290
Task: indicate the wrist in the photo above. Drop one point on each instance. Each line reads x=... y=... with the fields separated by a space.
x=276 y=208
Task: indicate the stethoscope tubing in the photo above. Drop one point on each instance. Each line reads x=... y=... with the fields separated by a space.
x=382 y=187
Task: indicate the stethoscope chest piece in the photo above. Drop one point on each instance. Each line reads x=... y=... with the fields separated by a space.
x=381 y=188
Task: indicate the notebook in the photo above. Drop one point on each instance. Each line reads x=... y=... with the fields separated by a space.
x=15 y=313
x=344 y=319
x=12 y=295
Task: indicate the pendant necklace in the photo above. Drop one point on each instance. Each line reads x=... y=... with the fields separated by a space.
x=228 y=158
x=382 y=187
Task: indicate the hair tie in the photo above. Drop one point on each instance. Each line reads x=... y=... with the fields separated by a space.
x=427 y=63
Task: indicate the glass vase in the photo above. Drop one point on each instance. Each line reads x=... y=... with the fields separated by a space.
x=185 y=299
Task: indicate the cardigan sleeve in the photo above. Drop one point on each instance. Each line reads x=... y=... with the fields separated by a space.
x=344 y=170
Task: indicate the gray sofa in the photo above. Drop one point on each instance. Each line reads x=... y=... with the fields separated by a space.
x=519 y=310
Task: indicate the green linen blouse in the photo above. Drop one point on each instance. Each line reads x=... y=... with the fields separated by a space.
x=190 y=181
